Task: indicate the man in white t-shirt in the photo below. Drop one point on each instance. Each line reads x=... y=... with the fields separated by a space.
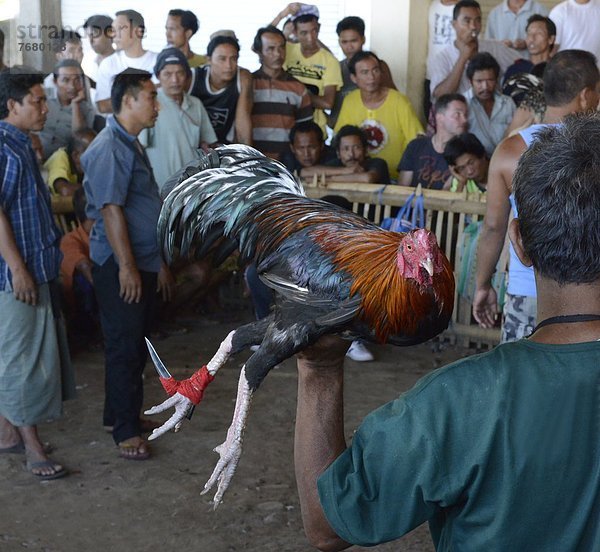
x=448 y=69
x=577 y=25
x=98 y=29
x=441 y=31
x=128 y=30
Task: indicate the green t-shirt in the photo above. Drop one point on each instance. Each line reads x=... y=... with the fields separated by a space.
x=499 y=451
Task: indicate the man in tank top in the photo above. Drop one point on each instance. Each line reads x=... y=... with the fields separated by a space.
x=571 y=85
x=225 y=89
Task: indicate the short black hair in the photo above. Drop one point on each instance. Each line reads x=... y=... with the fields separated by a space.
x=129 y=81
x=482 y=61
x=101 y=24
x=188 y=19
x=464 y=4
x=349 y=130
x=66 y=63
x=306 y=127
x=135 y=17
x=557 y=191
x=567 y=74
x=550 y=26
x=351 y=23
x=360 y=56
x=257 y=42
x=442 y=103
x=218 y=41
x=461 y=144
x=306 y=18
x=15 y=84
x=58 y=41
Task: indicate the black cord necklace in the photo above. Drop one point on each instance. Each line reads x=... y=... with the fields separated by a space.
x=566 y=319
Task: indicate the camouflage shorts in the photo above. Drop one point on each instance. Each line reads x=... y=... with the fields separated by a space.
x=518 y=317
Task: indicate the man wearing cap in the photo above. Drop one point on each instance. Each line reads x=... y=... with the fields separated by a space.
x=98 y=29
x=128 y=28
x=183 y=124
x=312 y=64
x=225 y=89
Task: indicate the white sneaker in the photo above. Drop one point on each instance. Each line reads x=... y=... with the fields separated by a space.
x=359 y=353
x=254 y=348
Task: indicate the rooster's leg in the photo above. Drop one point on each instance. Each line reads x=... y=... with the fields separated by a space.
x=236 y=341
x=281 y=341
x=231 y=450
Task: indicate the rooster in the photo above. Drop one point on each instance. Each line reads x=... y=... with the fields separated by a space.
x=332 y=271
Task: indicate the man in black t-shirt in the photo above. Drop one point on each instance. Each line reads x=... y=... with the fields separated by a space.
x=423 y=160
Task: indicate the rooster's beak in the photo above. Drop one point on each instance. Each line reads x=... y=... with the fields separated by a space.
x=427 y=264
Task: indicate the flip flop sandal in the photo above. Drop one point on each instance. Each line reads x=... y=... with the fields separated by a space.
x=19 y=448
x=137 y=455
x=46 y=464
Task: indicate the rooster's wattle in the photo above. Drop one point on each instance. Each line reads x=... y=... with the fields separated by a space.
x=332 y=271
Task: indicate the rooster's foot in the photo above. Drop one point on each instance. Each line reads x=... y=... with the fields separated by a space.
x=231 y=450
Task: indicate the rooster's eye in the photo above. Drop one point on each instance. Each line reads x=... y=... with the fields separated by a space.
x=409 y=247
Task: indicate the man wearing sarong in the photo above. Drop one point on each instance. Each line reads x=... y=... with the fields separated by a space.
x=33 y=352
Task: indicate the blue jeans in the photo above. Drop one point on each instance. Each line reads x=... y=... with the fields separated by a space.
x=124 y=327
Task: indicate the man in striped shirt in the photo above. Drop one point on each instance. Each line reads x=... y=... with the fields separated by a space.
x=280 y=100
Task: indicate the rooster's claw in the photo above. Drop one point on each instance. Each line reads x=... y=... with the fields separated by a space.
x=183 y=407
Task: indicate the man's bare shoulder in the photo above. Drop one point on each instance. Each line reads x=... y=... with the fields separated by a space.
x=511 y=148
x=507 y=153
x=504 y=162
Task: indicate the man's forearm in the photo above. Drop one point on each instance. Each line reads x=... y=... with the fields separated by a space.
x=363 y=177
x=65 y=188
x=322 y=102
x=78 y=121
x=243 y=112
x=491 y=242
x=319 y=440
x=8 y=246
x=243 y=129
x=326 y=170
x=451 y=83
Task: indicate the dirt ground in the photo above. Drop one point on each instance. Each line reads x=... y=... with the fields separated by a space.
x=108 y=503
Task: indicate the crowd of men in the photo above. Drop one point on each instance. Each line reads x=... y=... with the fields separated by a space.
x=111 y=130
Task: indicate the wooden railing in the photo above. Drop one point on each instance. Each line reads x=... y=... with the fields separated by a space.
x=446 y=213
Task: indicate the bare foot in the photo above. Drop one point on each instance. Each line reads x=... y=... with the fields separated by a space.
x=9 y=435
x=45 y=469
x=38 y=462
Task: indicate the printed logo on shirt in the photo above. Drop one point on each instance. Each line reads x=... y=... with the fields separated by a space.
x=218 y=116
x=314 y=72
x=377 y=135
x=430 y=176
x=442 y=30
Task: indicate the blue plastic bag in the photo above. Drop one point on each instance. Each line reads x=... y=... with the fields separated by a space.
x=410 y=216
